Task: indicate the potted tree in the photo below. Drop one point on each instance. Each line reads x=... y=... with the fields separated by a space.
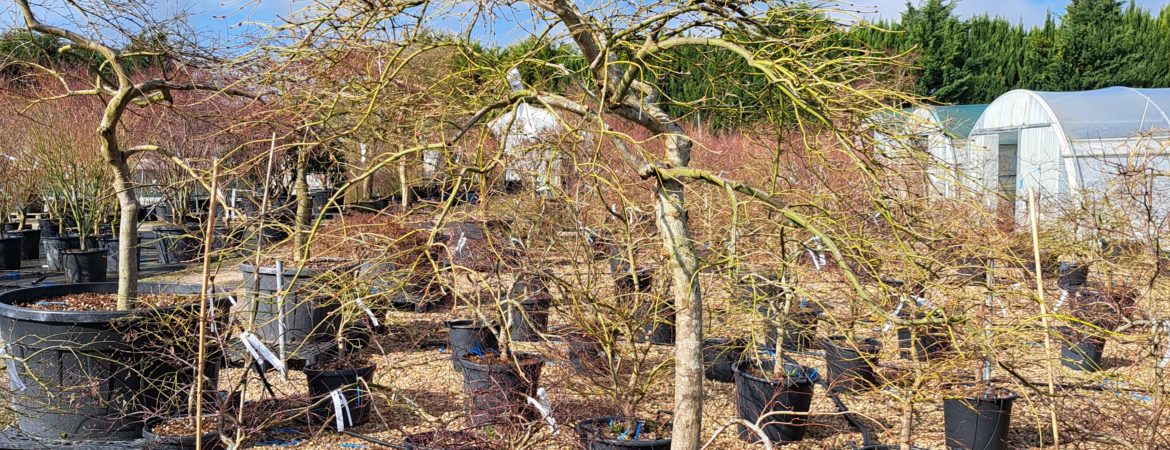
x=89 y=201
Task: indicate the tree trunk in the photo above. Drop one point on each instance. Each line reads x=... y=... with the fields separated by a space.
x=127 y=235
x=688 y=304
x=304 y=207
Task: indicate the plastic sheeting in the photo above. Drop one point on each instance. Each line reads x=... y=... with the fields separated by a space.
x=522 y=132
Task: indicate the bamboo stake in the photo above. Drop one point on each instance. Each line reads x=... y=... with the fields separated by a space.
x=1034 y=216
x=255 y=289
x=203 y=305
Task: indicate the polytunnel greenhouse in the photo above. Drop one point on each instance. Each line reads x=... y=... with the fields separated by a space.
x=1065 y=143
x=942 y=131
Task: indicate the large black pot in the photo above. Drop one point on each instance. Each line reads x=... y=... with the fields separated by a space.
x=720 y=355
x=31 y=245
x=924 y=343
x=11 y=249
x=979 y=423
x=468 y=336
x=1081 y=351
x=756 y=397
x=354 y=384
x=49 y=227
x=111 y=245
x=497 y=394
x=305 y=316
x=176 y=245
x=84 y=266
x=1072 y=275
x=210 y=439
x=594 y=435
x=799 y=326
x=852 y=365
x=54 y=246
x=81 y=370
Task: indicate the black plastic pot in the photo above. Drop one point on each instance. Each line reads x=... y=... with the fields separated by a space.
x=11 y=250
x=1072 y=275
x=497 y=394
x=930 y=342
x=304 y=318
x=175 y=245
x=851 y=365
x=979 y=423
x=84 y=266
x=111 y=246
x=1081 y=351
x=585 y=354
x=210 y=439
x=526 y=309
x=594 y=435
x=354 y=384
x=657 y=324
x=49 y=227
x=720 y=356
x=468 y=336
x=756 y=397
x=31 y=244
x=54 y=246
x=799 y=327
x=60 y=401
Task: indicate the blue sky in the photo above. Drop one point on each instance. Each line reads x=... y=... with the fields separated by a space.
x=227 y=17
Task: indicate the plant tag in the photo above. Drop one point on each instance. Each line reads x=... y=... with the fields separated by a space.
x=260 y=351
x=1060 y=301
x=542 y=406
x=369 y=312
x=816 y=261
x=340 y=409
x=211 y=310
x=897 y=310
x=461 y=242
x=13 y=377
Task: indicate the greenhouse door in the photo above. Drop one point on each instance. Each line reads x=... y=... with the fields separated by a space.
x=1008 y=166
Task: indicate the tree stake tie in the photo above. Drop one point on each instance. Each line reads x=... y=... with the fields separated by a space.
x=340 y=409
x=279 y=311
x=261 y=352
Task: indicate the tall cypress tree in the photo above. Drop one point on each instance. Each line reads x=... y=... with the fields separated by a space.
x=1091 y=44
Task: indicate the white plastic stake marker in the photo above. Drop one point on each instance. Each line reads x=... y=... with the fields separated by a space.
x=542 y=406
x=280 y=312
x=1060 y=301
x=897 y=309
x=461 y=242
x=816 y=261
x=211 y=310
x=340 y=409
x=369 y=312
x=261 y=352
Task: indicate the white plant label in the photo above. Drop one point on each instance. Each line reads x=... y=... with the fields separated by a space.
x=461 y=242
x=897 y=310
x=341 y=409
x=259 y=351
x=542 y=406
x=1060 y=301
x=369 y=312
x=817 y=263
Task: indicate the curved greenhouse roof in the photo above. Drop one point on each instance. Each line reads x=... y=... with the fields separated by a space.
x=1072 y=142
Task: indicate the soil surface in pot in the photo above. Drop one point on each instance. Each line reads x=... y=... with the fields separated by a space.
x=629 y=430
x=347 y=361
x=91 y=301
x=183 y=426
x=494 y=359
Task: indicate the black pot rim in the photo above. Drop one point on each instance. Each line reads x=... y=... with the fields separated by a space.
x=10 y=311
x=310 y=371
x=873 y=345
x=526 y=359
x=78 y=251
x=627 y=442
x=740 y=370
x=291 y=270
x=468 y=323
x=1011 y=395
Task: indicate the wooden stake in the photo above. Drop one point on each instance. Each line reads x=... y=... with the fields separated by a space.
x=203 y=305
x=1034 y=216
